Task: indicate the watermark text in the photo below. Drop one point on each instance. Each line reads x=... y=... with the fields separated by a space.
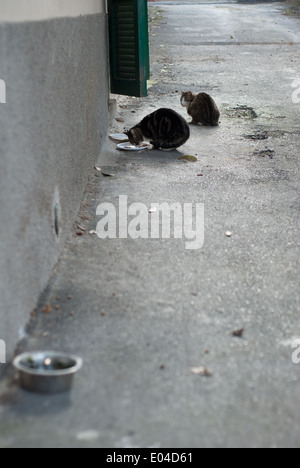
x=161 y=221
x=2 y=352
x=296 y=353
x=2 y=92
x=296 y=93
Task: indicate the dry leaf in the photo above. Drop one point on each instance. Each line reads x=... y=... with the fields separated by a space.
x=201 y=371
x=47 y=309
x=80 y=227
x=188 y=158
x=98 y=169
x=238 y=333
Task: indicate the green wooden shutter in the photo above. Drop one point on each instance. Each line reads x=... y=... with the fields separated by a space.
x=129 y=47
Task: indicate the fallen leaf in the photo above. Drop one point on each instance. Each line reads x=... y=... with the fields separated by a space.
x=238 y=333
x=151 y=83
x=47 y=309
x=104 y=174
x=80 y=227
x=88 y=436
x=201 y=371
x=188 y=158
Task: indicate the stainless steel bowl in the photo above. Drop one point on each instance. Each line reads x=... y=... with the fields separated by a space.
x=47 y=371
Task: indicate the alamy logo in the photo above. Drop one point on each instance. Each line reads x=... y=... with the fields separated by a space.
x=296 y=93
x=296 y=353
x=161 y=221
x=2 y=92
x=2 y=352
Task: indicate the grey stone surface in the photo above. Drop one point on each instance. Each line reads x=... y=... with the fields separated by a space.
x=143 y=312
x=51 y=130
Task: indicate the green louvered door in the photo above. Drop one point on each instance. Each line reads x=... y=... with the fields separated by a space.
x=129 y=46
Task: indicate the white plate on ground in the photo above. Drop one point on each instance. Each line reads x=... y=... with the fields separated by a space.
x=119 y=137
x=129 y=147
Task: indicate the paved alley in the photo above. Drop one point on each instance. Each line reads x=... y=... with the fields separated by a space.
x=150 y=316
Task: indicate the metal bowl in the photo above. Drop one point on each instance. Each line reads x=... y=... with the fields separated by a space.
x=47 y=371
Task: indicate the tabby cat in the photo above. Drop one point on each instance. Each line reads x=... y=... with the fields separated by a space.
x=202 y=108
x=165 y=129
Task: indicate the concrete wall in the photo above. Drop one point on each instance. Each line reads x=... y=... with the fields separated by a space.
x=55 y=71
x=36 y=10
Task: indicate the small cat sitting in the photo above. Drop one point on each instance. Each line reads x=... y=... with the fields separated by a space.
x=202 y=108
x=165 y=129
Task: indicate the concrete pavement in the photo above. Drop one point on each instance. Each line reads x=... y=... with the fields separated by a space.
x=142 y=313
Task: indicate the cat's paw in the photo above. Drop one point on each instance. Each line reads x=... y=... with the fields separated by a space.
x=155 y=144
